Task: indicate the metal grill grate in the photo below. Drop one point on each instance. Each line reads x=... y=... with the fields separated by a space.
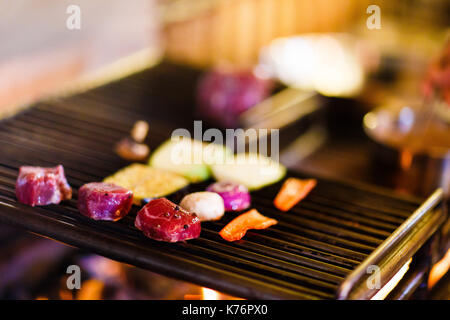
x=306 y=256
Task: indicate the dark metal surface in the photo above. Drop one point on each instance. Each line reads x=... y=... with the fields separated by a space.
x=306 y=256
x=397 y=249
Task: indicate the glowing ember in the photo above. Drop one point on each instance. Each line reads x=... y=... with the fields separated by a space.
x=65 y=294
x=91 y=290
x=439 y=270
x=192 y=297
x=209 y=294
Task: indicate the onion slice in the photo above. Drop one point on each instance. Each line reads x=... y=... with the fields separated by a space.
x=235 y=196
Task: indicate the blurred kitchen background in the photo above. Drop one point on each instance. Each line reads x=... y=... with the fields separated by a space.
x=39 y=54
x=369 y=81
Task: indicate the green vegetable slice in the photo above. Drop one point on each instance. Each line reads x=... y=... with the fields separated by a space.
x=252 y=170
x=188 y=157
x=147 y=182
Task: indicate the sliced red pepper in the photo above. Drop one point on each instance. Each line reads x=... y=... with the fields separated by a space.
x=252 y=219
x=292 y=192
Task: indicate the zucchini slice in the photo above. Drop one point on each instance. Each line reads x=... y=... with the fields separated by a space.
x=189 y=158
x=252 y=170
x=146 y=182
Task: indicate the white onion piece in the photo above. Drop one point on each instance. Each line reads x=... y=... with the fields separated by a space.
x=206 y=205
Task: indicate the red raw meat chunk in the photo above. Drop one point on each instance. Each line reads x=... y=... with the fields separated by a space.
x=163 y=220
x=224 y=94
x=37 y=186
x=104 y=201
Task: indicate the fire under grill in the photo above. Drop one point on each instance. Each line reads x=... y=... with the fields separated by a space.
x=319 y=250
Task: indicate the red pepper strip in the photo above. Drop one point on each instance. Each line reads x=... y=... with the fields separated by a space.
x=292 y=191
x=252 y=219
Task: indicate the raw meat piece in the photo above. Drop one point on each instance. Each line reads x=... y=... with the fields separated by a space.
x=104 y=201
x=37 y=186
x=163 y=220
x=224 y=94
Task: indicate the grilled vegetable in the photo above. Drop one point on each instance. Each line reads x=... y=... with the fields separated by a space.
x=252 y=170
x=104 y=201
x=292 y=192
x=130 y=150
x=190 y=158
x=139 y=131
x=37 y=186
x=235 y=196
x=146 y=182
x=163 y=220
x=206 y=205
x=252 y=219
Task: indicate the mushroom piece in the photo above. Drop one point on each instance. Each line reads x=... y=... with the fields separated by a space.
x=131 y=148
x=206 y=205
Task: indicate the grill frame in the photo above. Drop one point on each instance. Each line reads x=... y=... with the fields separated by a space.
x=303 y=257
x=395 y=251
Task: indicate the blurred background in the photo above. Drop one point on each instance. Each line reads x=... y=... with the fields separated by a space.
x=349 y=88
x=40 y=54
